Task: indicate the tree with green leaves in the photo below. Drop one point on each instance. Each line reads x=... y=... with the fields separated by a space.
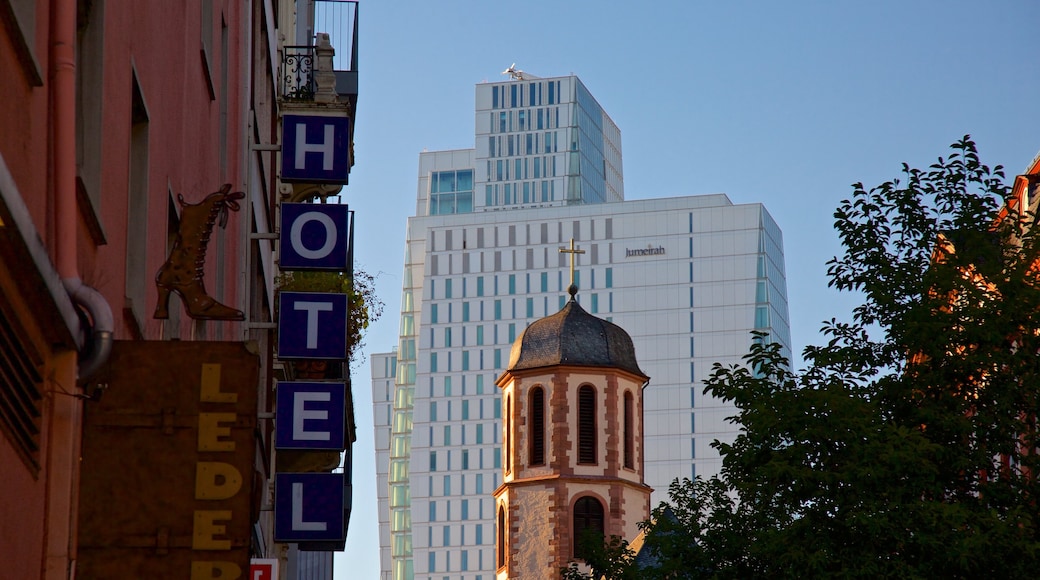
x=908 y=446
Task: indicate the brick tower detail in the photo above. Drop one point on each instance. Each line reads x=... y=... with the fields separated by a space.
x=572 y=443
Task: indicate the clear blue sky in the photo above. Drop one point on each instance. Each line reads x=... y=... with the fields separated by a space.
x=784 y=103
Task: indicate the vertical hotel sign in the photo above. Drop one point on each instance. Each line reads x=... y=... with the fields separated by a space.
x=167 y=466
x=310 y=508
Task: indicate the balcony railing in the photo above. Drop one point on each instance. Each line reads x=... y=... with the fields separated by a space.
x=339 y=20
x=298 y=73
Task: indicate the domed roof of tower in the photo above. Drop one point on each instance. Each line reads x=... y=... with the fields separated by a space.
x=573 y=337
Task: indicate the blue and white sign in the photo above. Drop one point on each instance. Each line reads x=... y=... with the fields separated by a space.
x=315 y=148
x=312 y=325
x=314 y=237
x=309 y=507
x=310 y=416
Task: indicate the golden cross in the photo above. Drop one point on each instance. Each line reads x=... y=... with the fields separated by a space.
x=572 y=252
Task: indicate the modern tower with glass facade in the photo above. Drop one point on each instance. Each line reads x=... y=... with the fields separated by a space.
x=688 y=277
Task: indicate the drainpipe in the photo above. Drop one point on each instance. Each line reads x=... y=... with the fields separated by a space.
x=98 y=345
x=63 y=103
x=65 y=416
x=95 y=348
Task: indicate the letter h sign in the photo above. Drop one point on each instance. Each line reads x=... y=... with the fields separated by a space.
x=315 y=148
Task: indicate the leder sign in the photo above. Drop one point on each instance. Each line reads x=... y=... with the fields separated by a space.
x=167 y=466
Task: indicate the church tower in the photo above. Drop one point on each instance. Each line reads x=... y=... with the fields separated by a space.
x=572 y=445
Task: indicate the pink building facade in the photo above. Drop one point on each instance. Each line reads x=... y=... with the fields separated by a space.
x=114 y=115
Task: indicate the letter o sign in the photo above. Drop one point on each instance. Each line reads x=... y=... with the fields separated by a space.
x=314 y=237
x=299 y=245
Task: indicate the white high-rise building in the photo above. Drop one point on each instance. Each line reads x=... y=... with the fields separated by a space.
x=688 y=277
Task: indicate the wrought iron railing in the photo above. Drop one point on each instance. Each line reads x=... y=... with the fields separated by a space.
x=298 y=73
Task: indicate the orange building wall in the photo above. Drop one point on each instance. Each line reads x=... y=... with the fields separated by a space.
x=161 y=42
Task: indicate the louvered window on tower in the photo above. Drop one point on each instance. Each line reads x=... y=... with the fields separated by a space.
x=501 y=543
x=629 y=435
x=508 y=447
x=537 y=427
x=586 y=424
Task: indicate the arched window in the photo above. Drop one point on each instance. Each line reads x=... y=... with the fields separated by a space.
x=501 y=544
x=588 y=524
x=509 y=433
x=629 y=434
x=586 y=424
x=536 y=427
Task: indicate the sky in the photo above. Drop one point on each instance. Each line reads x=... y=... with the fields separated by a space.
x=783 y=103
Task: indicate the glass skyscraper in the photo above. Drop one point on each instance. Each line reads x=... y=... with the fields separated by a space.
x=688 y=277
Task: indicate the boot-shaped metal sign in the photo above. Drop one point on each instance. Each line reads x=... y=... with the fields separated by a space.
x=183 y=271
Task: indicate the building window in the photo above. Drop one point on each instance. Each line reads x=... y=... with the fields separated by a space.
x=451 y=192
x=587 y=424
x=500 y=547
x=536 y=426
x=588 y=523
x=137 y=210
x=629 y=430
x=21 y=28
x=509 y=432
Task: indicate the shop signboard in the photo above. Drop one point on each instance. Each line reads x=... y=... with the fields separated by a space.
x=166 y=480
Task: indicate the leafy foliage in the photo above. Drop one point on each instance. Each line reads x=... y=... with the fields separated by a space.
x=908 y=446
x=611 y=558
